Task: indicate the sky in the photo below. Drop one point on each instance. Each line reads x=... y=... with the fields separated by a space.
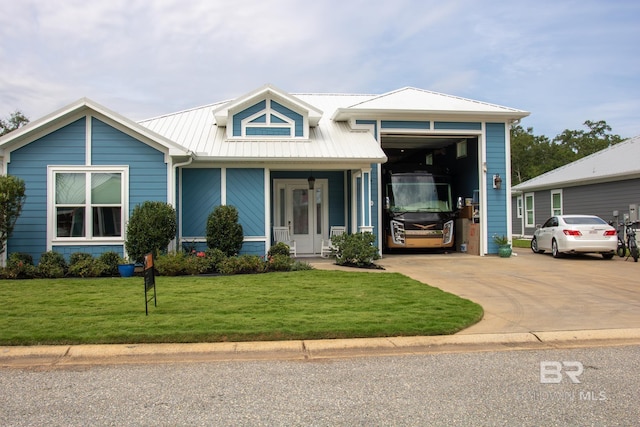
x=563 y=61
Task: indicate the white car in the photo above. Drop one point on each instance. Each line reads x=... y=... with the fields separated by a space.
x=575 y=234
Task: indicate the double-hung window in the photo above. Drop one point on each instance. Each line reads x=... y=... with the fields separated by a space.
x=529 y=210
x=88 y=202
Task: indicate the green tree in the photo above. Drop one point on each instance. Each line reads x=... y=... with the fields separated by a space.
x=150 y=229
x=12 y=197
x=15 y=121
x=223 y=230
x=584 y=143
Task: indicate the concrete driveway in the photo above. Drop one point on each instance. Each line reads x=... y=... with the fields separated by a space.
x=533 y=292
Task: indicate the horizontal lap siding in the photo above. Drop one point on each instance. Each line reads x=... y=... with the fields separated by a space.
x=200 y=195
x=94 y=251
x=65 y=146
x=147 y=167
x=496 y=199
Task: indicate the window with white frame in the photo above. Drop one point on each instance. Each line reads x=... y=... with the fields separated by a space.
x=556 y=202
x=519 y=207
x=88 y=203
x=529 y=212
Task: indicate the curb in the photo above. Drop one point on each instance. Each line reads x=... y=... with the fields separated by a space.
x=117 y=354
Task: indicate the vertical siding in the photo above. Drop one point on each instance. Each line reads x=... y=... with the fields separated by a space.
x=65 y=146
x=496 y=199
x=201 y=193
x=147 y=167
x=245 y=191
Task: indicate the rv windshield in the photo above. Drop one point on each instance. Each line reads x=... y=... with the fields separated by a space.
x=418 y=193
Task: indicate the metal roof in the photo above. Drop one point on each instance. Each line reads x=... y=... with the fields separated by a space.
x=331 y=140
x=617 y=162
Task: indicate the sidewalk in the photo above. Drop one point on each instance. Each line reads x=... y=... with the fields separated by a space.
x=530 y=302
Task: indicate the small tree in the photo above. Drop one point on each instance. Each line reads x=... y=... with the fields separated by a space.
x=150 y=229
x=223 y=230
x=12 y=197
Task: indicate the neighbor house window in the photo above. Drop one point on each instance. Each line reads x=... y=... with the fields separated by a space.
x=556 y=202
x=519 y=207
x=529 y=212
x=88 y=203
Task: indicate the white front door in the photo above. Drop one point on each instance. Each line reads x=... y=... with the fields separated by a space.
x=304 y=211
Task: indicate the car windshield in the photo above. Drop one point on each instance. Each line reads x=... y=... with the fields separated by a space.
x=584 y=220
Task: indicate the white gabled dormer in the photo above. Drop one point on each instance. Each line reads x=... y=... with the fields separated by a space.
x=267 y=113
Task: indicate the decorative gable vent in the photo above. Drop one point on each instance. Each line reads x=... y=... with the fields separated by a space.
x=267 y=113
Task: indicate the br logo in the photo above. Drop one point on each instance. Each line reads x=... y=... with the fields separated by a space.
x=551 y=371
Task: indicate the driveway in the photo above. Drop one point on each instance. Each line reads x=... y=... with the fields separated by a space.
x=533 y=292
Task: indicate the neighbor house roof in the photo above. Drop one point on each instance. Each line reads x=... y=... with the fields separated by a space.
x=617 y=162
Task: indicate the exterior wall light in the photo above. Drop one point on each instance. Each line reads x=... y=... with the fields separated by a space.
x=312 y=182
x=497 y=181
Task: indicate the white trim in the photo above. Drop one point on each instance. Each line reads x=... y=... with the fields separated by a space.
x=223 y=186
x=52 y=240
x=87 y=139
x=552 y=193
x=482 y=191
x=533 y=211
x=267 y=210
x=507 y=178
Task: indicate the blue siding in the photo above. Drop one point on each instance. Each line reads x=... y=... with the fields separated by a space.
x=147 y=168
x=95 y=251
x=405 y=124
x=298 y=119
x=496 y=199
x=200 y=195
x=65 y=146
x=261 y=119
x=457 y=126
x=240 y=116
x=245 y=191
x=370 y=122
x=253 y=248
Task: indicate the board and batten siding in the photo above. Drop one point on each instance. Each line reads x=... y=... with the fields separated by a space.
x=496 y=199
x=65 y=146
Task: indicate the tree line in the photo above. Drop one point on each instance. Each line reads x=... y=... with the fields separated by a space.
x=533 y=155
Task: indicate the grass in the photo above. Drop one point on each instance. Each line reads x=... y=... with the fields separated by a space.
x=276 y=306
x=521 y=243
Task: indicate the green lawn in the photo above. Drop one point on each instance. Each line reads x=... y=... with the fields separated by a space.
x=275 y=306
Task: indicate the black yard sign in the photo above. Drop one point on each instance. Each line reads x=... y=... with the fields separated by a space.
x=149 y=282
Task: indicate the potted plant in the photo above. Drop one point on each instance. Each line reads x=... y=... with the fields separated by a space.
x=504 y=248
x=126 y=268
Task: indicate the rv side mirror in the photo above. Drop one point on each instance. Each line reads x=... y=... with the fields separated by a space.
x=460 y=202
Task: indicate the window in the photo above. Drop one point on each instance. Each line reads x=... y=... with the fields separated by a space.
x=556 y=202
x=529 y=213
x=88 y=203
x=519 y=207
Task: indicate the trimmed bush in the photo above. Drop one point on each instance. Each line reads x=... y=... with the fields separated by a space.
x=279 y=248
x=279 y=262
x=243 y=264
x=150 y=229
x=355 y=249
x=110 y=260
x=20 y=266
x=52 y=265
x=12 y=198
x=223 y=230
x=82 y=264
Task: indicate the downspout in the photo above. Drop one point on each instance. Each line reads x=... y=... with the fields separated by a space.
x=172 y=245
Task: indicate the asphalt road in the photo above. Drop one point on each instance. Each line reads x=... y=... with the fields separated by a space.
x=455 y=389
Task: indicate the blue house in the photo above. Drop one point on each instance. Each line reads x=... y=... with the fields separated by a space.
x=304 y=161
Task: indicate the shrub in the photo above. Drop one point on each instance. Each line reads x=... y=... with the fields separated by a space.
x=52 y=265
x=20 y=266
x=301 y=266
x=171 y=264
x=279 y=262
x=110 y=260
x=243 y=264
x=82 y=264
x=355 y=249
x=279 y=248
x=214 y=258
x=223 y=230
x=150 y=229
x=12 y=197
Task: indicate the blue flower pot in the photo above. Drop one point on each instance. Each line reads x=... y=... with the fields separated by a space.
x=126 y=270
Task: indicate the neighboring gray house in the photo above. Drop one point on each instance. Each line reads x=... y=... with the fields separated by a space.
x=599 y=184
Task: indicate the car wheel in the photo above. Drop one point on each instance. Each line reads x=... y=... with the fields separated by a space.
x=554 y=249
x=607 y=256
x=534 y=245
